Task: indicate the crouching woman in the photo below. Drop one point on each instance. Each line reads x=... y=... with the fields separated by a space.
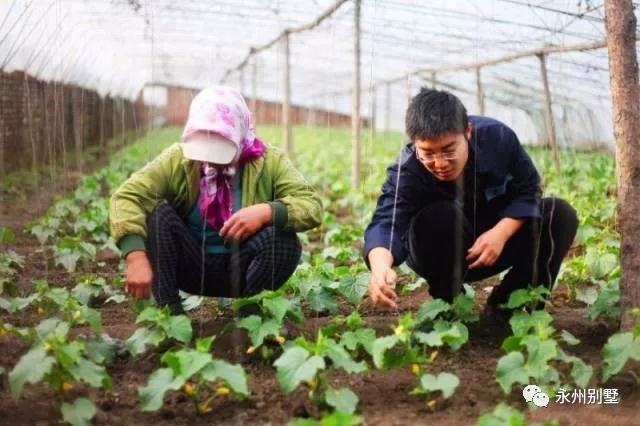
x=215 y=214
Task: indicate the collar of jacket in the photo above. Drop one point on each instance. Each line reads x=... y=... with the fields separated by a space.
x=251 y=173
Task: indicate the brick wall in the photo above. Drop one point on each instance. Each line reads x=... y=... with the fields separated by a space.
x=41 y=121
x=265 y=112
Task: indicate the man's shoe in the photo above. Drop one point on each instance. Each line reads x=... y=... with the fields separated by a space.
x=498 y=317
x=176 y=308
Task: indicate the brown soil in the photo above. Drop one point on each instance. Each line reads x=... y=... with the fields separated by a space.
x=384 y=396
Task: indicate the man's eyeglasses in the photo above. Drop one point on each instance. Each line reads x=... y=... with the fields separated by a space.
x=444 y=155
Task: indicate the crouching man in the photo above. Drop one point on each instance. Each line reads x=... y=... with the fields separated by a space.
x=462 y=203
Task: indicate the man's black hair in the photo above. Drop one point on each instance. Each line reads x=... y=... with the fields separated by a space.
x=433 y=113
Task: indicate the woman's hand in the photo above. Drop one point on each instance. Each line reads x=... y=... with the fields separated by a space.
x=139 y=275
x=246 y=222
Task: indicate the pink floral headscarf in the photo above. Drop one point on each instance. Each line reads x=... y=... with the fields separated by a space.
x=222 y=110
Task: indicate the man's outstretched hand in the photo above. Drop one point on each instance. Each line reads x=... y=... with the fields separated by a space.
x=383 y=278
x=381 y=287
x=139 y=275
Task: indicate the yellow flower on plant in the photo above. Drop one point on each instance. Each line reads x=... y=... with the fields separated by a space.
x=433 y=356
x=66 y=386
x=415 y=369
x=398 y=330
x=431 y=405
x=223 y=390
x=250 y=350
x=189 y=389
x=312 y=383
x=280 y=340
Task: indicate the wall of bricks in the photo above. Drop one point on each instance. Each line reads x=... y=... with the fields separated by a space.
x=265 y=112
x=41 y=122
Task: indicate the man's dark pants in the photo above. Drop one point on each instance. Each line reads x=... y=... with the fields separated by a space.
x=440 y=235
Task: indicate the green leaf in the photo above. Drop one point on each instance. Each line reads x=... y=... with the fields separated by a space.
x=341 y=359
x=179 y=327
x=116 y=298
x=204 y=344
x=354 y=288
x=587 y=295
x=607 y=301
x=30 y=369
x=79 y=413
x=102 y=350
x=342 y=399
x=6 y=235
x=431 y=309
x=526 y=296
x=42 y=234
x=361 y=336
x=603 y=264
x=151 y=314
x=454 y=334
x=137 y=343
x=186 y=362
x=152 y=395
x=58 y=295
x=67 y=353
x=259 y=329
x=94 y=319
x=569 y=338
x=444 y=382
x=511 y=370
x=52 y=326
x=502 y=415
x=90 y=373
x=518 y=298
x=337 y=418
x=354 y=321
x=617 y=351
x=540 y=321
x=322 y=300
x=581 y=372
x=67 y=259
x=463 y=305
x=16 y=304
x=277 y=307
x=296 y=365
x=82 y=293
x=512 y=343
x=233 y=375
x=540 y=353
x=380 y=346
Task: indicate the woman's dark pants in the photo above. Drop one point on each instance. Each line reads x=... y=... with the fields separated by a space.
x=263 y=261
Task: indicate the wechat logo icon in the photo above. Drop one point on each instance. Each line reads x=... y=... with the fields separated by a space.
x=533 y=393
